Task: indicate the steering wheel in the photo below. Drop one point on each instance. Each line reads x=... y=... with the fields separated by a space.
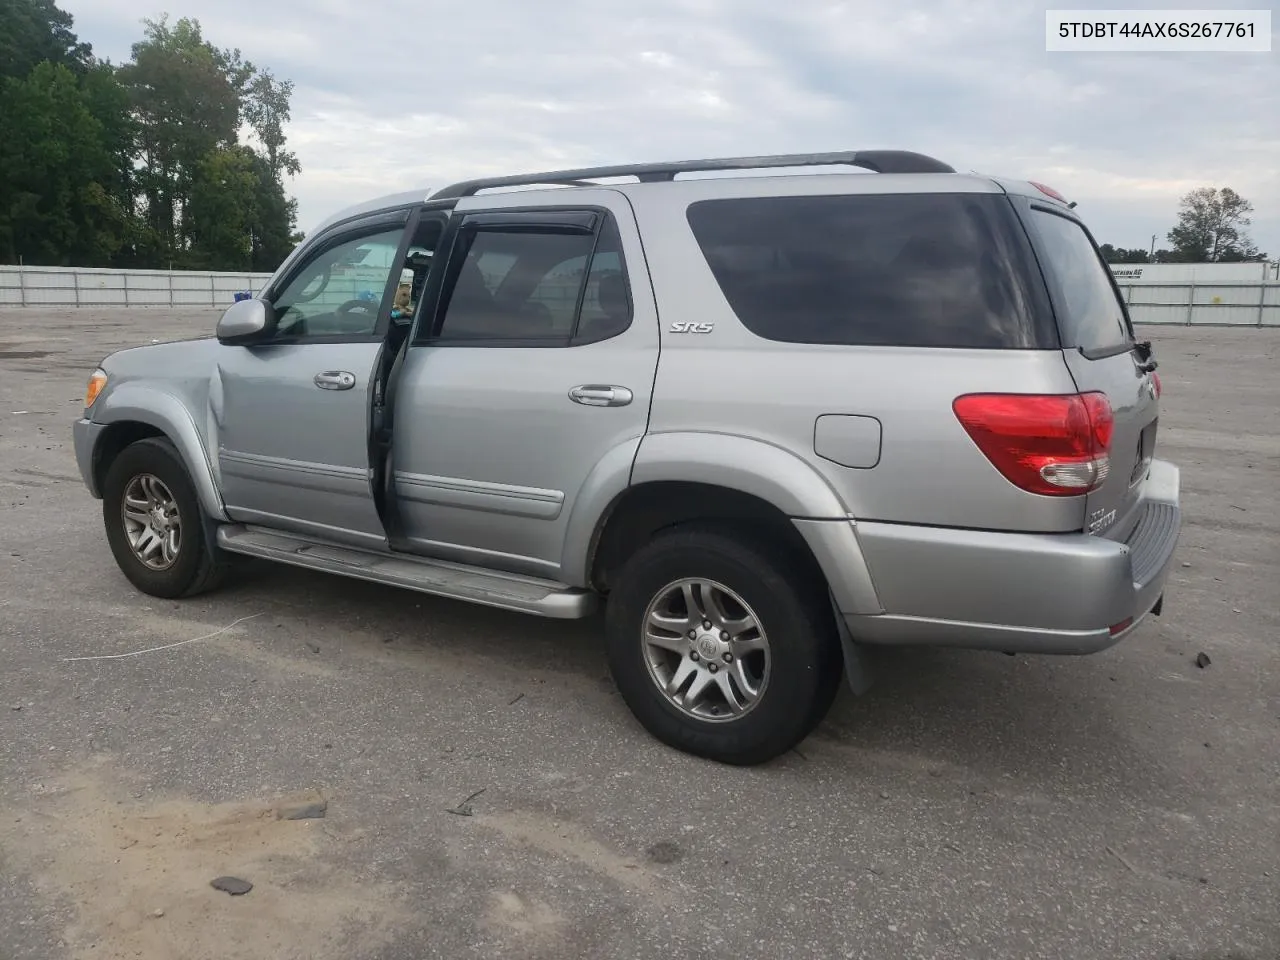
x=324 y=277
x=344 y=310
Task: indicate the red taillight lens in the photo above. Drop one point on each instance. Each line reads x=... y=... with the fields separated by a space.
x=1155 y=379
x=1056 y=445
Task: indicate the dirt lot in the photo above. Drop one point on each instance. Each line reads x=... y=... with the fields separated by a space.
x=1125 y=805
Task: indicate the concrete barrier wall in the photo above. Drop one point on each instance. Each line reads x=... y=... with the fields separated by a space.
x=1151 y=299
x=84 y=287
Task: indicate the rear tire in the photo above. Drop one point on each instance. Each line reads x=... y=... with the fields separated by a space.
x=741 y=695
x=154 y=523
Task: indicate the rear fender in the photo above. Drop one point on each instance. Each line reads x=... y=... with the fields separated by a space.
x=777 y=477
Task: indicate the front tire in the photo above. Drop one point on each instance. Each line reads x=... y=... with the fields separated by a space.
x=723 y=645
x=154 y=524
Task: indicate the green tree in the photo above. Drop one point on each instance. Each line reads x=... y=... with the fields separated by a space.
x=220 y=210
x=185 y=95
x=274 y=230
x=33 y=31
x=54 y=164
x=266 y=109
x=1121 y=255
x=108 y=101
x=276 y=215
x=142 y=164
x=1211 y=227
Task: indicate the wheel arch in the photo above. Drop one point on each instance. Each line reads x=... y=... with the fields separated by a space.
x=131 y=414
x=645 y=509
x=681 y=477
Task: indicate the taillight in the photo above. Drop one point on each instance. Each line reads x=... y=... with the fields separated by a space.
x=1054 y=445
x=1155 y=381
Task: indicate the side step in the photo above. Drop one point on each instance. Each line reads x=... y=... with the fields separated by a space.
x=489 y=588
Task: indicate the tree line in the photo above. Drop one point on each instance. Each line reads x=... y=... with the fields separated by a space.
x=1210 y=229
x=139 y=164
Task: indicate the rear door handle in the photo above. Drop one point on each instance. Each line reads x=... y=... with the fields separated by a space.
x=601 y=395
x=335 y=380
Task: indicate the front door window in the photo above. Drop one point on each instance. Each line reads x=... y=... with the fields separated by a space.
x=339 y=291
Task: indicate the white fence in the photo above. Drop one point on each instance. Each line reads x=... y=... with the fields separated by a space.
x=1202 y=294
x=1153 y=296
x=84 y=287
x=1208 y=304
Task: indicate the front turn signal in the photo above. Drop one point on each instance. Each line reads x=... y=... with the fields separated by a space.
x=97 y=380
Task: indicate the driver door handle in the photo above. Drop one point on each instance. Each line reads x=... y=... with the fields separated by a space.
x=600 y=395
x=335 y=380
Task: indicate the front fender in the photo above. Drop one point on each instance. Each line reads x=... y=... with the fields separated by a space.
x=777 y=477
x=136 y=403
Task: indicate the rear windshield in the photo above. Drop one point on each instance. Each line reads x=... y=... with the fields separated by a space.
x=1090 y=313
x=920 y=270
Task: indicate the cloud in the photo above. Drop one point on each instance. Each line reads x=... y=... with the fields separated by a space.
x=406 y=93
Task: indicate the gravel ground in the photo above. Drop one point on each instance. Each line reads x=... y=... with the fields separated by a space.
x=1125 y=805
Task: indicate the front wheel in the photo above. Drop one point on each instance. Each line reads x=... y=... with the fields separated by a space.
x=721 y=645
x=154 y=523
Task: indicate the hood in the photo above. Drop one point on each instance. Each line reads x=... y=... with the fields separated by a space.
x=178 y=359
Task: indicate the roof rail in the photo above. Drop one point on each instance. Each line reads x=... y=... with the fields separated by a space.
x=880 y=161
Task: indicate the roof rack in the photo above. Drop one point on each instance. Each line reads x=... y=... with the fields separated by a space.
x=879 y=161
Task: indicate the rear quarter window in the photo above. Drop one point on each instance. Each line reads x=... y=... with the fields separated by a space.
x=1090 y=313
x=912 y=270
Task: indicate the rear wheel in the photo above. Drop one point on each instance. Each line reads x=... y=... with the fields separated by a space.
x=722 y=645
x=154 y=523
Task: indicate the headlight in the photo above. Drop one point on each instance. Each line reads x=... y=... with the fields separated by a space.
x=97 y=380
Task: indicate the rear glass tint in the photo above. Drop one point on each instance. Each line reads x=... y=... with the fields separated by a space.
x=919 y=270
x=1089 y=312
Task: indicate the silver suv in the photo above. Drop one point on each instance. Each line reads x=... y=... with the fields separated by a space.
x=768 y=418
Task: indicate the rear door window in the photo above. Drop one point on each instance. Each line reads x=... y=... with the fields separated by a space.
x=530 y=281
x=1091 y=315
x=917 y=270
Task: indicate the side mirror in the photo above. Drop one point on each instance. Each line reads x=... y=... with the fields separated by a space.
x=246 y=321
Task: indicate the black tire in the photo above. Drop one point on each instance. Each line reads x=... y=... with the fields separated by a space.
x=789 y=599
x=198 y=565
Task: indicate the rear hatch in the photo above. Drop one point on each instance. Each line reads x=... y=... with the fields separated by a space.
x=1103 y=356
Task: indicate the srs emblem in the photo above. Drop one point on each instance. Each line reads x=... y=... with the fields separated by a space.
x=689 y=326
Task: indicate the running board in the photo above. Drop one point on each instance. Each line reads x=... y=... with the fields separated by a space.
x=490 y=588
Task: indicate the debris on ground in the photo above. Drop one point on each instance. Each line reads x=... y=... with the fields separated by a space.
x=1202 y=660
x=1123 y=859
x=464 y=808
x=232 y=885
x=664 y=851
x=307 y=806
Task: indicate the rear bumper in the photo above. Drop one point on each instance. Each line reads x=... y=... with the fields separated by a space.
x=1024 y=593
x=85 y=434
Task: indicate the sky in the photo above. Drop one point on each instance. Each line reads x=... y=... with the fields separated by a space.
x=394 y=95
